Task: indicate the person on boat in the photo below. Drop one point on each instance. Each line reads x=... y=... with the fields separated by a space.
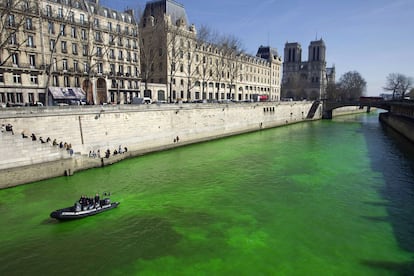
x=97 y=200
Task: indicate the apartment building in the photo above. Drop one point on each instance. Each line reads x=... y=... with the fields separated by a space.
x=65 y=51
x=195 y=69
x=66 y=48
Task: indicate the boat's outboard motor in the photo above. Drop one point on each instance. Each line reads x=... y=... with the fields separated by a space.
x=107 y=201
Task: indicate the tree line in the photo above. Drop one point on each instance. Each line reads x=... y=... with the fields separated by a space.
x=352 y=85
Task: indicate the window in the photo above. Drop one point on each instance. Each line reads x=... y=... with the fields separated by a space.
x=19 y=97
x=77 y=82
x=10 y=97
x=48 y=10
x=98 y=37
x=73 y=32
x=72 y=16
x=75 y=65
x=62 y=29
x=109 y=26
x=54 y=66
x=30 y=41
x=99 y=68
x=74 y=48
x=17 y=78
x=29 y=24
x=111 y=40
x=51 y=27
x=99 y=52
x=65 y=64
x=32 y=61
x=10 y=20
x=85 y=50
x=13 y=39
x=55 y=81
x=34 y=79
x=60 y=13
x=112 y=69
x=66 y=81
x=52 y=45
x=15 y=59
x=112 y=53
x=96 y=22
x=1 y=77
x=64 y=47
x=82 y=18
x=83 y=34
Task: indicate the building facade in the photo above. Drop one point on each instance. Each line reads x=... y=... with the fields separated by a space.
x=306 y=79
x=54 y=50
x=194 y=69
x=64 y=44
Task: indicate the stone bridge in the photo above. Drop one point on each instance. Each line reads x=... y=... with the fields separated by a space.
x=329 y=106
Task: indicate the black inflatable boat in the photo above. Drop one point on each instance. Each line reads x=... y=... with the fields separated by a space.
x=77 y=211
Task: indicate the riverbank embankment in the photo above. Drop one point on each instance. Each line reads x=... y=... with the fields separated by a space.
x=140 y=129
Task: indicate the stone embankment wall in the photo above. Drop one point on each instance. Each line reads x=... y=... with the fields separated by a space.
x=403 y=125
x=142 y=129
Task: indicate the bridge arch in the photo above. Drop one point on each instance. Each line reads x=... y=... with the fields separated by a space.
x=329 y=106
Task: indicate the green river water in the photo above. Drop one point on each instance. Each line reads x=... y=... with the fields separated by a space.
x=317 y=198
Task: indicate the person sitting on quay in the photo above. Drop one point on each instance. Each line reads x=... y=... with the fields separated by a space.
x=54 y=142
x=9 y=127
x=107 y=153
x=33 y=137
x=125 y=149
x=41 y=140
x=61 y=145
x=24 y=135
x=48 y=140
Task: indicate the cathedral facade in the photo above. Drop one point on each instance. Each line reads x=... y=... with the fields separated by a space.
x=306 y=79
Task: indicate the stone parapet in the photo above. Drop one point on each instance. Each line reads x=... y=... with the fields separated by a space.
x=139 y=128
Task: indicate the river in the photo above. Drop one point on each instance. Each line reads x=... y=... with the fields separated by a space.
x=317 y=198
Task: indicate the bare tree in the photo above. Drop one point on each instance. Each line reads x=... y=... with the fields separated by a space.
x=12 y=22
x=65 y=14
x=352 y=85
x=175 y=36
x=151 y=50
x=332 y=92
x=399 y=84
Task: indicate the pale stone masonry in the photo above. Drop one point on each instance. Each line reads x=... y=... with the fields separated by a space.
x=81 y=44
x=62 y=43
x=194 y=69
x=306 y=79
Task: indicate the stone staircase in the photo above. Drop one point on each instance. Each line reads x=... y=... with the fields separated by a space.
x=16 y=151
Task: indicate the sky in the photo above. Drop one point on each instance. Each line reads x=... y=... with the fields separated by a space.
x=373 y=37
